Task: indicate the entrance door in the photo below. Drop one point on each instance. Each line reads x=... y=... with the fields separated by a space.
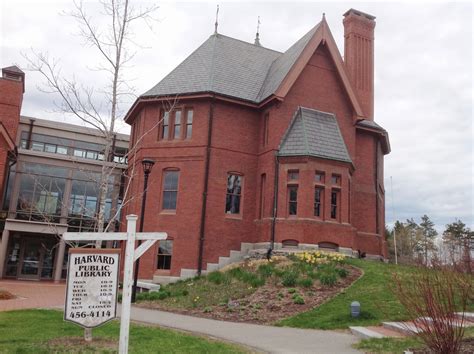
x=31 y=259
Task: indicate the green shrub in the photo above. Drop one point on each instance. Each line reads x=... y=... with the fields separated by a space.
x=306 y=282
x=207 y=309
x=162 y=294
x=266 y=270
x=289 y=278
x=313 y=275
x=328 y=278
x=298 y=300
x=250 y=278
x=291 y=290
x=342 y=272
x=216 y=277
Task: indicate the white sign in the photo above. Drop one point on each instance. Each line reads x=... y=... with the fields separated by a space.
x=92 y=283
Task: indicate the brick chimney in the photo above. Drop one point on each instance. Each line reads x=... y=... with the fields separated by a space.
x=12 y=87
x=359 y=56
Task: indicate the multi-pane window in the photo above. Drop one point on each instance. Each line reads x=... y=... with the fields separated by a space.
x=177 y=124
x=234 y=193
x=41 y=192
x=189 y=124
x=319 y=177
x=165 y=125
x=292 y=200
x=336 y=179
x=165 y=252
x=293 y=175
x=318 y=201
x=71 y=147
x=170 y=190
x=334 y=203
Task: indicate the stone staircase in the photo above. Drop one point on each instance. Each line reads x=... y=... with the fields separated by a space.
x=398 y=329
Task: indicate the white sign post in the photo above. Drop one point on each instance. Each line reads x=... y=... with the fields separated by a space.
x=131 y=255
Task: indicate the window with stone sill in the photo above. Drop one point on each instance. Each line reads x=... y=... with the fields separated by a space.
x=176 y=125
x=233 y=194
x=165 y=252
x=292 y=200
x=170 y=189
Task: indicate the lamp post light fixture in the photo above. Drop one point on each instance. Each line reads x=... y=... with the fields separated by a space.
x=147 y=166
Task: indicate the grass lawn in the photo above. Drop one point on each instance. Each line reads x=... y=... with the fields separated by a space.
x=35 y=331
x=396 y=345
x=372 y=291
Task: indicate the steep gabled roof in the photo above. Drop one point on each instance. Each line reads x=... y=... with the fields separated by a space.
x=244 y=71
x=222 y=65
x=314 y=133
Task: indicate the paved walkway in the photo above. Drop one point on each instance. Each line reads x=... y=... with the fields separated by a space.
x=32 y=294
x=264 y=338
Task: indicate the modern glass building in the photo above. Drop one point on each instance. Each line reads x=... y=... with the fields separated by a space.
x=53 y=186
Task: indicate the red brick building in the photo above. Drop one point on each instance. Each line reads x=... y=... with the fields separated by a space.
x=255 y=149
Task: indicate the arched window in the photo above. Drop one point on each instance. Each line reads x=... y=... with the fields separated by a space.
x=234 y=193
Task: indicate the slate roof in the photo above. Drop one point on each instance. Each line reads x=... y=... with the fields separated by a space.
x=13 y=68
x=231 y=67
x=314 y=133
x=370 y=124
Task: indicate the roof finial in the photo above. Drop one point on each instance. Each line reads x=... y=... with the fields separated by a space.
x=257 y=36
x=217 y=20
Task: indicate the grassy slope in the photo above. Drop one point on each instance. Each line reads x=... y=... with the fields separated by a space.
x=396 y=345
x=27 y=331
x=372 y=291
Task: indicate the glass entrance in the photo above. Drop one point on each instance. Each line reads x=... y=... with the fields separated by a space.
x=31 y=257
x=30 y=262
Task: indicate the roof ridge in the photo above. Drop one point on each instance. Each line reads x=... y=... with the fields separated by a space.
x=251 y=44
x=211 y=74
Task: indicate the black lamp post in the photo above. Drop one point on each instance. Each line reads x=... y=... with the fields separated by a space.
x=147 y=166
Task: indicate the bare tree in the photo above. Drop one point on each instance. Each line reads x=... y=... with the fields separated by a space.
x=113 y=44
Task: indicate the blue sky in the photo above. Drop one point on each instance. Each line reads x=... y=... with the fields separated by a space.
x=423 y=77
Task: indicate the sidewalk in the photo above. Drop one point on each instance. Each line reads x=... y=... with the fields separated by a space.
x=32 y=294
x=264 y=338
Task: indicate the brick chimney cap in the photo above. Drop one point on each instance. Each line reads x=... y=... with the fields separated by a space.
x=13 y=69
x=359 y=13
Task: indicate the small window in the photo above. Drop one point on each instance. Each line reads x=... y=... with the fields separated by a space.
x=336 y=179
x=293 y=175
x=165 y=252
x=189 y=124
x=177 y=124
x=318 y=201
x=35 y=146
x=91 y=155
x=79 y=153
x=334 y=203
x=292 y=200
x=234 y=194
x=165 y=125
x=290 y=243
x=23 y=144
x=50 y=148
x=61 y=150
x=319 y=177
x=170 y=190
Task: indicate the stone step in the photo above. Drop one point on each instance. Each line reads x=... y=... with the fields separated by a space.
x=406 y=328
x=365 y=333
x=468 y=316
x=223 y=261
x=212 y=267
x=235 y=256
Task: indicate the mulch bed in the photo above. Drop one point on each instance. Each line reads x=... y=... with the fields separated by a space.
x=5 y=295
x=265 y=306
x=467 y=347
